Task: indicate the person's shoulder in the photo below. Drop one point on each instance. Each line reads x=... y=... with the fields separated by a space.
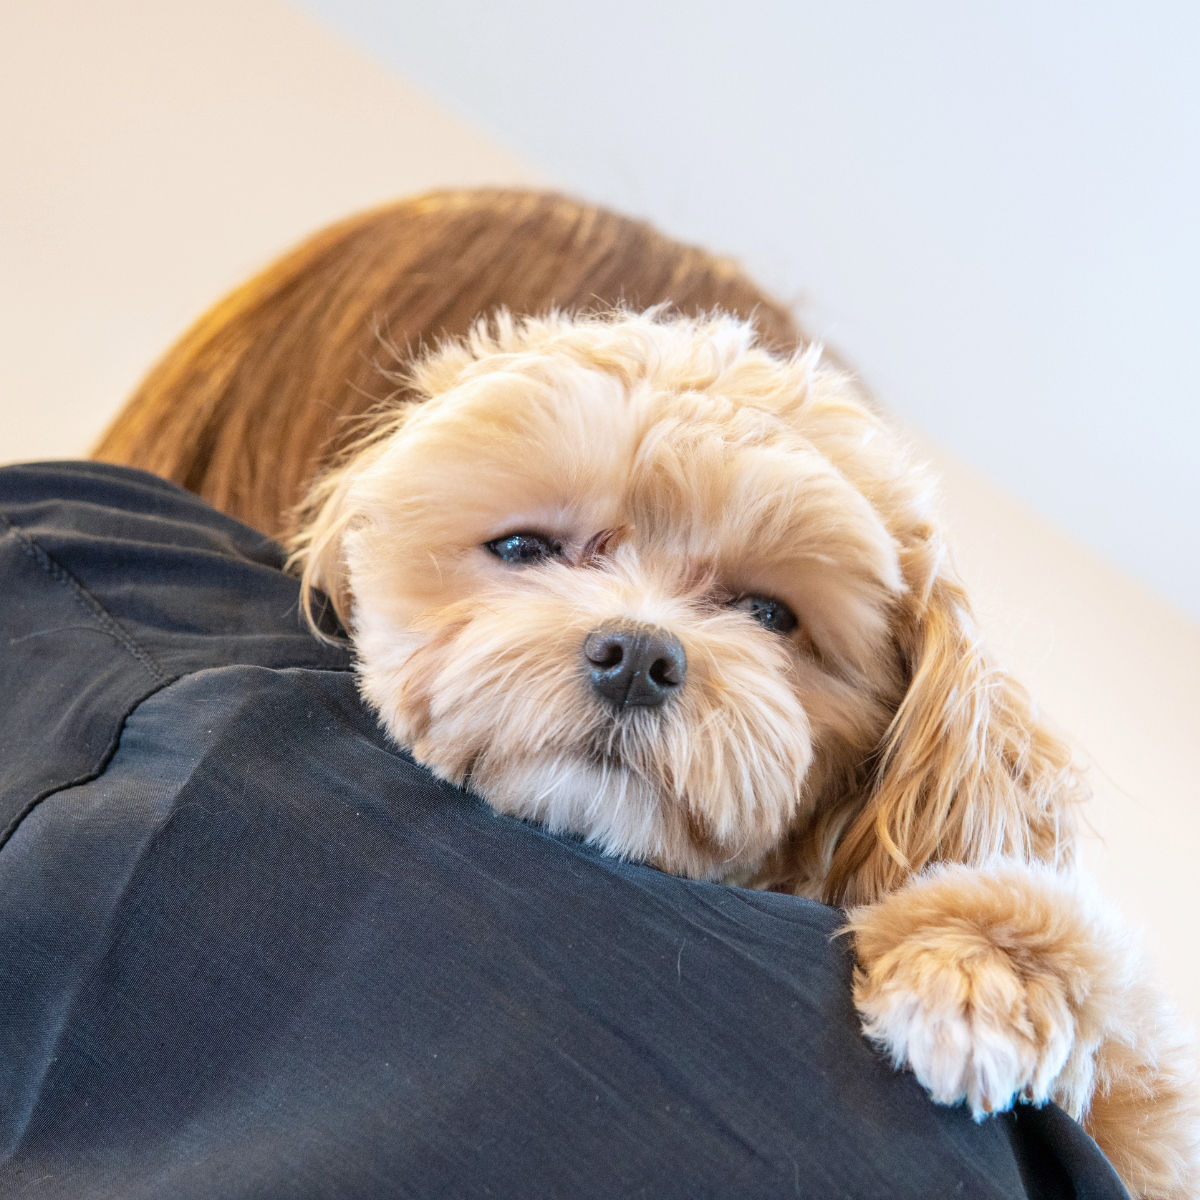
x=81 y=497
x=165 y=576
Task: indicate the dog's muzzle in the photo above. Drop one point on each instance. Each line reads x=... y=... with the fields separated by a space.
x=634 y=664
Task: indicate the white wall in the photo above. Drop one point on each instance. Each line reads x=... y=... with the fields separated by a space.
x=156 y=154
x=992 y=208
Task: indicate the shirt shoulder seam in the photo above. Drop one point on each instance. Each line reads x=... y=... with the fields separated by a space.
x=57 y=572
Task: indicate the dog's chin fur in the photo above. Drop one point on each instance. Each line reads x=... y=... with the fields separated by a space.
x=680 y=467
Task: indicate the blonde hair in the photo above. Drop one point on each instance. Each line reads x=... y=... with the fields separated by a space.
x=263 y=392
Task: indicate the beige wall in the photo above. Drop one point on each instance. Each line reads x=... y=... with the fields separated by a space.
x=154 y=154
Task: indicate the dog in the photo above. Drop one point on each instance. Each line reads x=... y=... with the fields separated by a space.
x=637 y=578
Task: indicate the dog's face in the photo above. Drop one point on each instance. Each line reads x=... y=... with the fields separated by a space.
x=634 y=579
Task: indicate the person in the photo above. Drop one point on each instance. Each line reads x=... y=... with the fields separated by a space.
x=250 y=950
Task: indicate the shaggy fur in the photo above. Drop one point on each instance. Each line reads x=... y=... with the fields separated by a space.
x=683 y=477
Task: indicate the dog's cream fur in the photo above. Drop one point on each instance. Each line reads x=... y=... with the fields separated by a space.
x=680 y=467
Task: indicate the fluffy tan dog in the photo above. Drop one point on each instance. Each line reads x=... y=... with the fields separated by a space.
x=638 y=579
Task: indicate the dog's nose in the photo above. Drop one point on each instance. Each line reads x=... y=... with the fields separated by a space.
x=632 y=663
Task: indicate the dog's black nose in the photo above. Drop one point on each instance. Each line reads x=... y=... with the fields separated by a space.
x=635 y=664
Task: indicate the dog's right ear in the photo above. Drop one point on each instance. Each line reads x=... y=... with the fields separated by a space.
x=338 y=499
x=318 y=548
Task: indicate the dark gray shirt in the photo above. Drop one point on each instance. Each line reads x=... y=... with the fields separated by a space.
x=250 y=950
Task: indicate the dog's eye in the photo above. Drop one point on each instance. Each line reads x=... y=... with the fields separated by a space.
x=523 y=549
x=770 y=614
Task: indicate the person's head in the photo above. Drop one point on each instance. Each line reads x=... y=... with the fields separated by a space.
x=261 y=393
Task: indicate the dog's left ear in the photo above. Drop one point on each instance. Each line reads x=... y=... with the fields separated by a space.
x=966 y=770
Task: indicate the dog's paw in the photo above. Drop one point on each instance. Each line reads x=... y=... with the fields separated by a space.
x=974 y=982
x=966 y=1023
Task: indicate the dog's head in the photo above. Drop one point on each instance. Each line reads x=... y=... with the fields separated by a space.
x=638 y=579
